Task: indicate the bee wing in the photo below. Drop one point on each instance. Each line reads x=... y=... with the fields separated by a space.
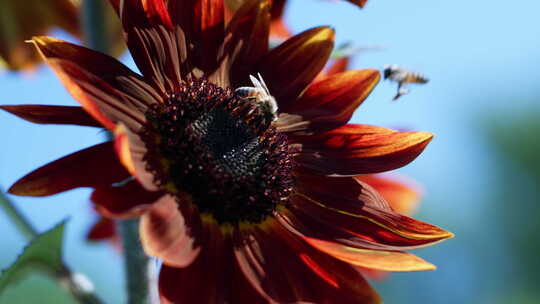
x=263 y=84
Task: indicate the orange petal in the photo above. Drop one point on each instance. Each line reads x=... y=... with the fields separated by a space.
x=247 y=39
x=45 y=114
x=165 y=234
x=359 y=225
x=401 y=193
x=373 y=259
x=289 y=68
x=359 y=149
x=330 y=103
x=106 y=89
x=92 y=167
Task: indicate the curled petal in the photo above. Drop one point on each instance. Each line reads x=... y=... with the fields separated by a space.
x=166 y=235
x=330 y=103
x=92 y=167
x=289 y=68
x=401 y=193
x=45 y=114
x=106 y=89
x=359 y=149
x=285 y=270
x=131 y=150
x=123 y=199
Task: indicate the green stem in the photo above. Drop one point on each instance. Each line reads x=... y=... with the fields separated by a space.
x=65 y=277
x=137 y=264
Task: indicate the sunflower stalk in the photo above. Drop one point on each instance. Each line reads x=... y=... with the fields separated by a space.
x=65 y=277
x=139 y=277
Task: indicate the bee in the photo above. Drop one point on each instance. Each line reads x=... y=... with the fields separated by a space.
x=260 y=95
x=402 y=77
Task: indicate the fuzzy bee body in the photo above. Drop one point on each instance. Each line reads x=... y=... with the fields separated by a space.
x=260 y=95
x=402 y=77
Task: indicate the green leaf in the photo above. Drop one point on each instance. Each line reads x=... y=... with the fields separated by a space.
x=43 y=254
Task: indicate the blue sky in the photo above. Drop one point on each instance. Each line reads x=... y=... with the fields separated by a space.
x=480 y=57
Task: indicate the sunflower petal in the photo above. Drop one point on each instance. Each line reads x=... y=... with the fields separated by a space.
x=131 y=150
x=284 y=270
x=402 y=194
x=373 y=259
x=247 y=39
x=359 y=225
x=166 y=235
x=360 y=3
x=45 y=114
x=289 y=68
x=337 y=66
x=103 y=229
x=330 y=103
x=106 y=89
x=359 y=149
x=158 y=47
x=123 y=200
x=92 y=167
x=203 y=24
x=210 y=269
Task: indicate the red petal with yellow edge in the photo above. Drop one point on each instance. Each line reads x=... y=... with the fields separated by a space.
x=289 y=68
x=45 y=114
x=123 y=199
x=210 y=270
x=247 y=39
x=394 y=261
x=359 y=149
x=402 y=194
x=106 y=89
x=103 y=229
x=92 y=167
x=169 y=234
x=331 y=102
x=358 y=225
x=131 y=150
x=283 y=269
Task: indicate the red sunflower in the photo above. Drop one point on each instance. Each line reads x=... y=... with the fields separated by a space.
x=247 y=198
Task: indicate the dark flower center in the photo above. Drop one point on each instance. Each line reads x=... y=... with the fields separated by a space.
x=220 y=149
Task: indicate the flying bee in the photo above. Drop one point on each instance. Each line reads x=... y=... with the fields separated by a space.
x=260 y=95
x=402 y=77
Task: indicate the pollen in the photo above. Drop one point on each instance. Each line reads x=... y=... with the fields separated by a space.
x=220 y=149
